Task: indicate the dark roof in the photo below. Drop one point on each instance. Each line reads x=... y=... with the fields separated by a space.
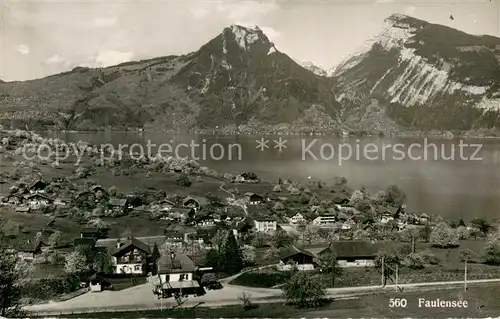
x=85 y=241
x=97 y=187
x=110 y=243
x=117 y=201
x=94 y=229
x=30 y=246
x=350 y=249
x=133 y=242
x=250 y=194
x=200 y=200
x=38 y=195
x=37 y=184
x=180 y=263
x=292 y=250
x=181 y=210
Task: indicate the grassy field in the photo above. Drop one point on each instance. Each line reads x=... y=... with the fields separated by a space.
x=450 y=268
x=481 y=302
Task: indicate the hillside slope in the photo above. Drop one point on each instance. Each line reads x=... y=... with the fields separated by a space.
x=424 y=76
x=413 y=76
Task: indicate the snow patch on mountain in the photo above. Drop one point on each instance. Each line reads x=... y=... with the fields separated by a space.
x=313 y=68
x=393 y=34
x=245 y=36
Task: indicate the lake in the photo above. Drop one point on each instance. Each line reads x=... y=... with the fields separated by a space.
x=465 y=185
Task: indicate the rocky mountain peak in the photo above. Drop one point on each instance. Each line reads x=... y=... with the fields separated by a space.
x=246 y=37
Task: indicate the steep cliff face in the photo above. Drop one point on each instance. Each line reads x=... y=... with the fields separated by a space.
x=426 y=76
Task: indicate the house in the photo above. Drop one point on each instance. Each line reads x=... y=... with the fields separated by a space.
x=195 y=202
x=181 y=213
x=14 y=199
x=175 y=275
x=85 y=196
x=118 y=205
x=423 y=219
x=386 y=217
x=30 y=250
x=86 y=242
x=133 y=201
x=297 y=219
x=265 y=225
x=253 y=199
x=61 y=202
x=348 y=224
x=37 y=200
x=98 y=190
x=295 y=257
x=37 y=186
x=354 y=253
x=205 y=221
x=94 y=232
x=131 y=257
x=325 y=220
x=23 y=209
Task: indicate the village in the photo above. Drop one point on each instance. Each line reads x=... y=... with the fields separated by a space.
x=82 y=236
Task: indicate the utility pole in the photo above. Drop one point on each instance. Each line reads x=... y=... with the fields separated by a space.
x=412 y=243
x=383 y=272
x=397 y=276
x=465 y=276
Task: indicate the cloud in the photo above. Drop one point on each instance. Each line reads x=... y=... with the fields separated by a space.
x=247 y=10
x=23 y=49
x=384 y=1
x=105 y=21
x=410 y=10
x=56 y=59
x=271 y=33
x=199 y=12
x=108 y=58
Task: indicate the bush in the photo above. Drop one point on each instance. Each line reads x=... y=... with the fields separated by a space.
x=261 y=279
x=45 y=288
x=305 y=290
x=443 y=236
x=183 y=180
x=414 y=261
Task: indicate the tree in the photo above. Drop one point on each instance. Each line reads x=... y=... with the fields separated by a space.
x=214 y=201
x=231 y=257
x=414 y=261
x=54 y=239
x=463 y=232
x=443 y=236
x=330 y=265
x=76 y=263
x=482 y=225
x=10 y=274
x=492 y=251
x=112 y=191
x=461 y=223
x=183 y=180
x=259 y=240
x=281 y=239
x=248 y=254
x=395 y=196
x=305 y=290
x=425 y=233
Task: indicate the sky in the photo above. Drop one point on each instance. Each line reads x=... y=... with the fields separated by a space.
x=41 y=37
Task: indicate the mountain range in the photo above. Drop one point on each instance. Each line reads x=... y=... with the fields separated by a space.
x=412 y=76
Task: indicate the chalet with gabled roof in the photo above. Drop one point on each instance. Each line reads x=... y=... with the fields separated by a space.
x=175 y=275
x=294 y=257
x=131 y=257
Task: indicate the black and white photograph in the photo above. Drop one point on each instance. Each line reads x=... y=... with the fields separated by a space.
x=249 y=159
